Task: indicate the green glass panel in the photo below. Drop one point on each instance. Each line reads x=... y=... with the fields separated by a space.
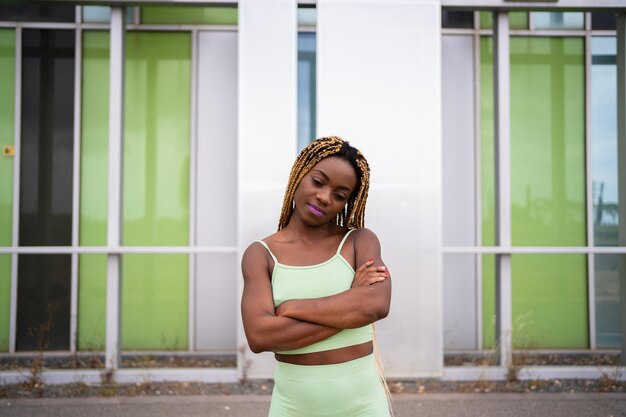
x=547 y=190
x=189 y=15
x=7 y=106
x=488 y=189
x=93 y=190
x=517 y=20
x=156 y=189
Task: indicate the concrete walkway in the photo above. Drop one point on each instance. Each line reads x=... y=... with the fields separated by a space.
x=431 y=405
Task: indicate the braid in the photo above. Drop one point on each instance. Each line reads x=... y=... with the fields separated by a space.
x=353 y=214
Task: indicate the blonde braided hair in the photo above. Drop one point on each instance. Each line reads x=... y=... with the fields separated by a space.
x=353 y=214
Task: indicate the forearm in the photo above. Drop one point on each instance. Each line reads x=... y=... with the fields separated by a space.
x=352 y=308
x=272 y=334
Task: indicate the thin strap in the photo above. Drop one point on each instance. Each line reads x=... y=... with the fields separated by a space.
x=268 y=249
x=344 y=240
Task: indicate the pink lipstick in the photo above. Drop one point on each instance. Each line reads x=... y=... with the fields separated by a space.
x=315 y=210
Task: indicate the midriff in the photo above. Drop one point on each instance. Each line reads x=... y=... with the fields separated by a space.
x=328 y=357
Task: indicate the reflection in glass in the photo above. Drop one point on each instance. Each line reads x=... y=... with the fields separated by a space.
x=307 y=17
x=559 y=20
x=45 y=187
x=605 y=187
x=603 y=21
x=156 y=189
x=457 y=19
x=307 y=99
x=547 y=189
x=102 y=14
x=37 y=13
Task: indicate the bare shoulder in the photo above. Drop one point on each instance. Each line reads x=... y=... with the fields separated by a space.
x=254 y=256
x=366 y=246
x=365 y=236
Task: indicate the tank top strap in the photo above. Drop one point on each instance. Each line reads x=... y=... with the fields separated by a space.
x=344 y=240
x=268 y=249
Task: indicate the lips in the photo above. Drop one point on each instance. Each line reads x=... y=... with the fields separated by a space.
x=315 y=210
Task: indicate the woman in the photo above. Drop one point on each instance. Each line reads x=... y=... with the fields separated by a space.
x=313 y=290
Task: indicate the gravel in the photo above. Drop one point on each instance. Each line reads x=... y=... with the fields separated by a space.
x=35 y=388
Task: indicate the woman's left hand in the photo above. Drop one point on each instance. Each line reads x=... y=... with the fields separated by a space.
x=368 y=274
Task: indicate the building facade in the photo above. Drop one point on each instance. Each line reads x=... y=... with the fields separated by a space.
x=145 y=146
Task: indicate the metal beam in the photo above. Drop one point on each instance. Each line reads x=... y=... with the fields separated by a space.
x=621 y=170
x=114 y=229
x=502 y=151
x=579 y=5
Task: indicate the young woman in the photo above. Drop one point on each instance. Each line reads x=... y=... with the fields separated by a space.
x=313 y=290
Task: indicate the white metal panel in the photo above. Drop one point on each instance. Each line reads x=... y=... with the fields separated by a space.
x=267 y=132
x=379 y=85
x=216 y=188
x=502 y=153
x=114 y=229
x=459 y=192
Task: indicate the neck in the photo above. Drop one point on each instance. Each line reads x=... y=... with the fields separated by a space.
x=299 y=229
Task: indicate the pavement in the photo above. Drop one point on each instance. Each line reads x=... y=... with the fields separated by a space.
x=405 y=405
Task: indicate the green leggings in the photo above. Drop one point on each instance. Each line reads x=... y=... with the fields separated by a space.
x=349 y=389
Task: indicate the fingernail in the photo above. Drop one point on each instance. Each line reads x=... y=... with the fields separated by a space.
x=370 y=260
x=383 y=268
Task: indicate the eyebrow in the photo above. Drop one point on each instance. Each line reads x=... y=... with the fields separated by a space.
x=326 y=176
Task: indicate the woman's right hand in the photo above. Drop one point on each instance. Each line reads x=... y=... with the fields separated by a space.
x=368 y=274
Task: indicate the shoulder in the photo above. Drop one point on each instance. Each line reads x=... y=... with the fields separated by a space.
x=365 y=236
x=366 y=245
x=256 y=254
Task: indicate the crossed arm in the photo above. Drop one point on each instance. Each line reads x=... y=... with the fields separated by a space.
x=298 y=323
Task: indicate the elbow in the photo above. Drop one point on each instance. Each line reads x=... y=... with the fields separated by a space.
x=256 y=347
x=256 y=343
x=380 y=311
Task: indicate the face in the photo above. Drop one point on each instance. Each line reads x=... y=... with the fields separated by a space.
x=325 y=190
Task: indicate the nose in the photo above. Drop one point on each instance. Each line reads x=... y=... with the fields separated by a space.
x=323 y=196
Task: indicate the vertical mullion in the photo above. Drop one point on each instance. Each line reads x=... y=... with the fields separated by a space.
x=192 y=190
x=478 y=187
x=17 y=134
x=116 y=140
x=76 y=188
x=591 y=303
x=621 y=169
x=501 y=76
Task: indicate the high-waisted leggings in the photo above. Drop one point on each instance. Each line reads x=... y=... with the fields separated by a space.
x=349 y=389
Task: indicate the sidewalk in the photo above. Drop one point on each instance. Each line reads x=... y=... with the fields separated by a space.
x=431 y=405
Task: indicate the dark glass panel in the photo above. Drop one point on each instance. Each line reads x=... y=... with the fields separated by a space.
x=603 y=21
x=37 y=13
x=45 y=186
x=457 y=20
x=307 y=81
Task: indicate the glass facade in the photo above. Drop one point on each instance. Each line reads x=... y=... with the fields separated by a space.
x=156 y=189
x=605 y=182
x=47 y=140
x=547 y=190
x=7 y=117
x=548 y=176
x=307 y=97
x=189 y=15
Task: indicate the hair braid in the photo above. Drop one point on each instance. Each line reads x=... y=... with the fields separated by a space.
x=353 y=214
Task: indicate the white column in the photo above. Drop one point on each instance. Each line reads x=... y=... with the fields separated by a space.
x=502 y=123
x=216 y=204
x=379 y=86
x=114 y=225
x=621 y=167
x=267 y=133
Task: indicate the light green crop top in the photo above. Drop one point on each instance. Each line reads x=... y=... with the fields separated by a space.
x=314 y=281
